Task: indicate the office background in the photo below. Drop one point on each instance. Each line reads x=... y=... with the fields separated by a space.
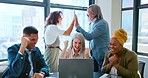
x=16 y=14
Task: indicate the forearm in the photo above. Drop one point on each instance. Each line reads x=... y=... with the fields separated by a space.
x=16 y=65
x=106 y=68
x=63 y=54
x=43 y=66
x=68 y=31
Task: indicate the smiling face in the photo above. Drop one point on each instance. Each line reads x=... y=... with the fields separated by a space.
x=33 y=38
x=115 y=46
x=60 y=19
x=77 y=45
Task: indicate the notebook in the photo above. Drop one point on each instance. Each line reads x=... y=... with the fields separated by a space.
x=76 y=68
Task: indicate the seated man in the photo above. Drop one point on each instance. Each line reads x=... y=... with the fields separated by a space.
x=25 y=60
x=120 y=61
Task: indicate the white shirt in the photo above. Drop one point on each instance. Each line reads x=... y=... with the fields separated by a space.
x=51 y=34
x=113 y=71
x=30 y=60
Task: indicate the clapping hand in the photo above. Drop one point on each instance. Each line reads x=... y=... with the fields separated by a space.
x=76 y=20
x=113 y=60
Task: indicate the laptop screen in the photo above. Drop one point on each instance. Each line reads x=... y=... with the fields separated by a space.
x=76 y=68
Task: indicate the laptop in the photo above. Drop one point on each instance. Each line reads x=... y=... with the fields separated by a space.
x=76 y=68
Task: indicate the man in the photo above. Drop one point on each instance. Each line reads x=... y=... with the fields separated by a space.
x=98 y=36
x=25 y=60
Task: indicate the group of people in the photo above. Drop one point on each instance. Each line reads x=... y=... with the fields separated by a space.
x=26 y=60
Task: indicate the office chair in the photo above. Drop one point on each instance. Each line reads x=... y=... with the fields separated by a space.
x=141 y=68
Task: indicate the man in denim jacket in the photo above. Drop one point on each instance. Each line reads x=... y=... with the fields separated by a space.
x=25 y=60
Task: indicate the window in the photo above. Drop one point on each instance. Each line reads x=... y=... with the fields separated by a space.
x=68 y=13
x=127 y=19
x=144 y=1
x=13 y=18
x=143 y=31
x=83 y=3
x=36 y=0
x=127 y=3
x=134 y=19
x=15 y=15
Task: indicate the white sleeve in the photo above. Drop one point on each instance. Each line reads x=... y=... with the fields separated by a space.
x=51 y=33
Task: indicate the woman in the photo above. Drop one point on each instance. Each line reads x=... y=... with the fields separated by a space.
x=52 y=33
x=77 y=49
x=120 y=61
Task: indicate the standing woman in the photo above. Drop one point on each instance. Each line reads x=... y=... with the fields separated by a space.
x=52 y=33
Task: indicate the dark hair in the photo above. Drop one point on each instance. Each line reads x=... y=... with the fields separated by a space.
x=30 y=30
x=53 y=18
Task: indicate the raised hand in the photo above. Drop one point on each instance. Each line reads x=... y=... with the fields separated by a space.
x=76 y=20
x=24 y=43
x=66 y=43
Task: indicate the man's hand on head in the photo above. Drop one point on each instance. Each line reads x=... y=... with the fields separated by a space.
x=24 y=43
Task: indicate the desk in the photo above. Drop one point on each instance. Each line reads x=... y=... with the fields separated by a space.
x=53 y=75
x=110 y=76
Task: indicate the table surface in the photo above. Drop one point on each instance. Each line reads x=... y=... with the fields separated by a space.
x=53 y=75
x=110 y=76
x=56 y=75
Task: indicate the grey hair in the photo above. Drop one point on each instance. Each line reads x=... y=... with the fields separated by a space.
x=81 y=37
x=96 y=10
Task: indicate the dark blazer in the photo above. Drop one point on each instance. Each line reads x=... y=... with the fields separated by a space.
x=19 y=66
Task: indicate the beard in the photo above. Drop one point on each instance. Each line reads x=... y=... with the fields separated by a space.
x=89 y=20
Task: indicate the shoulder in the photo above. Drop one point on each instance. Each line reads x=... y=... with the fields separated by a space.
x=15 y=46
x=37 y=52
x=108 y=54
x=101 y=22
x=51 y=27
x=130 y=53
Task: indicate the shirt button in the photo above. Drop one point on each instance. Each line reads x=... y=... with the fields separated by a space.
x=21 y=57
x=26 y=73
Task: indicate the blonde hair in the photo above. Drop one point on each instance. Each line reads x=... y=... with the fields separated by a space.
x=79 y=36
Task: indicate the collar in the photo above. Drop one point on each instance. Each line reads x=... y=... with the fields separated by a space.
x=122 y=51
x=29 y=51
x=94 y=20
x=73 y=53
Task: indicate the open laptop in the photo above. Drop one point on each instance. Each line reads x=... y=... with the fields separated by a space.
x=76 y=68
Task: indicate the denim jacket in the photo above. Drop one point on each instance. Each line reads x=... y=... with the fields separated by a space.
x=19 y=65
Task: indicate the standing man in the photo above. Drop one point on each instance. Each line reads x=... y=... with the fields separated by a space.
x=98 y=36
x=25 y=60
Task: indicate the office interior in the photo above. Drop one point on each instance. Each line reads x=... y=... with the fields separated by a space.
x=127 y=14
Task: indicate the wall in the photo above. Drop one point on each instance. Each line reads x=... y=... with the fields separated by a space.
x=111 y=10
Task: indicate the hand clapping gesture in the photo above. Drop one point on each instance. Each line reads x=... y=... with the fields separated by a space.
x=113 y=60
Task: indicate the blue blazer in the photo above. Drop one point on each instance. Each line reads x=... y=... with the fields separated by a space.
x=98 y=37
x=19 y=65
